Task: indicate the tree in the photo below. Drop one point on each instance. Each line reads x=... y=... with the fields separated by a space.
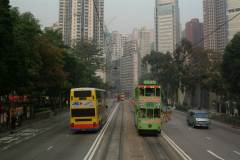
x=6 y=41
x=25 y=61
x=54 y=36
x=231 y=66
x=163 y=70
x=51 y=77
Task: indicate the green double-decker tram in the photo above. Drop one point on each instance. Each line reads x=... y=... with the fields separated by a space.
x=148 y=107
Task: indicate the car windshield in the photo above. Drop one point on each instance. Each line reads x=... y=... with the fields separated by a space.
x=201 y=115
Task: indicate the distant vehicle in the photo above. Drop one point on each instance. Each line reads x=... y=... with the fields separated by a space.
x=198 y=118
x=88 y=109
x=121 y=97
x=148 y=107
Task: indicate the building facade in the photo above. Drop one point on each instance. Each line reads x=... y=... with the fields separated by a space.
x=167 y=25
x=233 y=8
x=82 y=20
x=215 y=33
x=194 y=32
x=65 y=8
x=116 y=46
x=129 y=69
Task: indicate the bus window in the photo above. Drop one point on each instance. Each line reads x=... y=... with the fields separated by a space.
x=157 y=113
x=82 y=94
x=141 y=92
x=150 y=92
x=158 y=92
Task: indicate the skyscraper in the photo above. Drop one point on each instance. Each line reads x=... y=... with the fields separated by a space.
x=144 y=42
x=65 y=7
x=194 y=32
x=129 y=69
x=82 y=20
x=233 y=8
x=116 y=46
x=167 y=25
x=215 y=33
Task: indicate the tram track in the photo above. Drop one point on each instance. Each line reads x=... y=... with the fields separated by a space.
x=112 y=146
x=156 y=149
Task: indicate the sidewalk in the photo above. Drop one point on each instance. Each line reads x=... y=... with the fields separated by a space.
x=33 y=122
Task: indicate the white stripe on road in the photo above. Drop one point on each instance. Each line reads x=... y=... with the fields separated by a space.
x=208 y=138
x=176 y=147
x=238 y=153
x=215 y=155
x=49 y=148
x=92 y=150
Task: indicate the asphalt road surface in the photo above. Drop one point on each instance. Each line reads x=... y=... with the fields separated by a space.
x=118 y=139
x=220 y=142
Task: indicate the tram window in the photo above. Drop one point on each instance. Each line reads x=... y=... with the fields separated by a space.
x=150 y=92
x=157 y=113
x=141 y=92
x=158 y=92
x=142 y=113
x=150 y=113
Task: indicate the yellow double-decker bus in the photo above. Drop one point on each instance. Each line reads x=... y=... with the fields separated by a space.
x=88 y=109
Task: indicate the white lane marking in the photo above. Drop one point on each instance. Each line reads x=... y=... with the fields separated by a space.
x=215 y=155
x=176 y=147
x=6 y=147
x=208 y=138
x=49 y=148
x=93 y=148
x=238 y=153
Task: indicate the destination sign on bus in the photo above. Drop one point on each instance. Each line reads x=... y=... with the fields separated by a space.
x=150 y=82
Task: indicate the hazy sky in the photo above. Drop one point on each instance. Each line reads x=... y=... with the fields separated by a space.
x=125 y=14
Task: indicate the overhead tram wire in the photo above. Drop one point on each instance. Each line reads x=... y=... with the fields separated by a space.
x=225 y=23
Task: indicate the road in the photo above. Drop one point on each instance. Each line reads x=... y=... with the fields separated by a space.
x=118 y=140
x=51 y=139
x=218 y=142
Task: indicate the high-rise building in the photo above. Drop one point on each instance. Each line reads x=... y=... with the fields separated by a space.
x=167 y=25
x=98 y=24
x=233 y=8
x=194 y=32
x=129 y=69
x=116 y=46
x=82 y=20
x=124 y=40
x=215 y=33
x=144 y=42
x=65 y=8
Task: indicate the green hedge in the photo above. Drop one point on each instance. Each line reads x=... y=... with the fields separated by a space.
x=227 y=119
